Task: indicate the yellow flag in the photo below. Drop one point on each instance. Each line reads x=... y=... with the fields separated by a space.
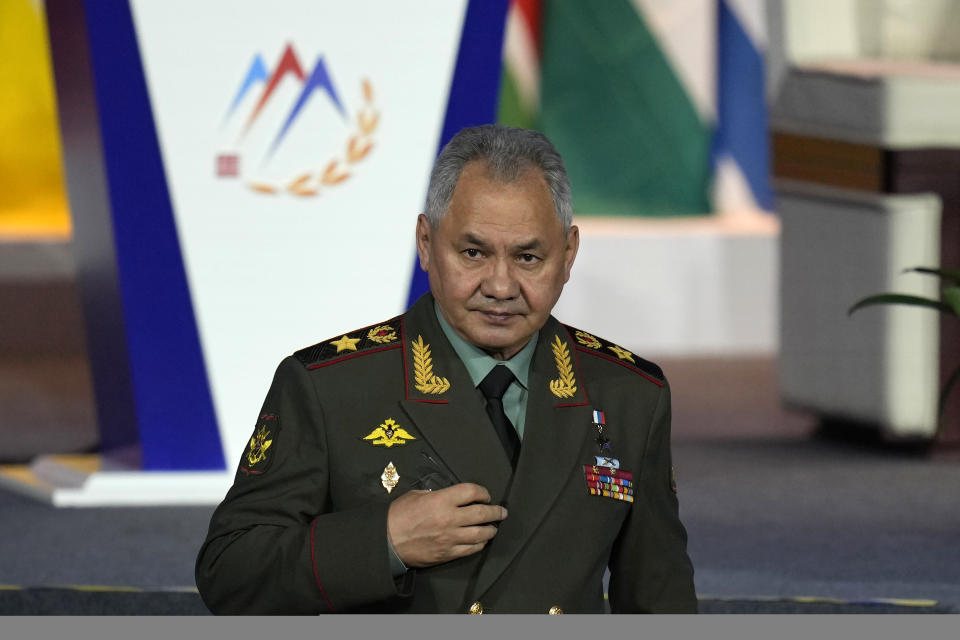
x=32 y=193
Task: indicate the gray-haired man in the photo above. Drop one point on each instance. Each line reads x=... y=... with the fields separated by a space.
x=472 y=455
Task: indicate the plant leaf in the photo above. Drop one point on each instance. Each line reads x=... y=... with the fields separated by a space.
x=899 y=298
x=945 y=392
x=951 y=295
x=947 y=274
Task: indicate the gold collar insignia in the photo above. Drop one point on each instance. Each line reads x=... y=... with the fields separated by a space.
x=566 y=385
x=426 y=381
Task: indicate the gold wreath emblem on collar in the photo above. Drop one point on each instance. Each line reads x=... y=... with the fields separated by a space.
x=423 y=376
x=566 y=385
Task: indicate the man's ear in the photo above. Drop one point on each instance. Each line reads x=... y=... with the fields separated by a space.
x=423 y=241
x=570 y=251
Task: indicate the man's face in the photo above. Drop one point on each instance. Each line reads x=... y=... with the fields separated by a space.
x=498 y=260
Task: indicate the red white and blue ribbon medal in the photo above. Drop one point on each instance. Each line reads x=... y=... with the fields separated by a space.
x=605 y=459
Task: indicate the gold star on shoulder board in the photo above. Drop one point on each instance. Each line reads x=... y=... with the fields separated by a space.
x=622 y=353
x=345 y=344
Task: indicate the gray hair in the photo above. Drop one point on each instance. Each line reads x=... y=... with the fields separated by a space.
x=508 y=152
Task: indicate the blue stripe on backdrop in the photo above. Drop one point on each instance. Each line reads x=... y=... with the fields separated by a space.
x=741 y=105
x=176 y=420
x=93 y=245
x=474 y=90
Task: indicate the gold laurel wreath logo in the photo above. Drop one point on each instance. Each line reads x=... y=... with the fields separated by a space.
x=566 y=385
x=382 y=334
x=358 y=146
x=426 y=381
x=587 y=340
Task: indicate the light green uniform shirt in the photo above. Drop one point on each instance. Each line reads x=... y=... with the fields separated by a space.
x=479 y=363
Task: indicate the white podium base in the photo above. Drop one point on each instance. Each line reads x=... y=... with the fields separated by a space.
x=79 y=481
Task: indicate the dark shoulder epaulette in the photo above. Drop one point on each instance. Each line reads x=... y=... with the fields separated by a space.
x=376 y=337
x=589 y=343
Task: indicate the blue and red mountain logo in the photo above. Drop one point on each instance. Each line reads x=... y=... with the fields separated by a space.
x=280 y=121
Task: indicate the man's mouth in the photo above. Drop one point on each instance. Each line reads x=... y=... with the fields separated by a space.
x=498 y=316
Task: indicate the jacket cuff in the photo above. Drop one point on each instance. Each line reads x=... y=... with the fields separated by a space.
x=349 y=565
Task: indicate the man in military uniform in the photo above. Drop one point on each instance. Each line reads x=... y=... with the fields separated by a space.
x=472 y=455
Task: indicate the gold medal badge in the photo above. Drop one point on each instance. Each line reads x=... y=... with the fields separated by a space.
x=389 y=478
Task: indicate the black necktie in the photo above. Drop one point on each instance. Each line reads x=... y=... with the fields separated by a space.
x=493 y=387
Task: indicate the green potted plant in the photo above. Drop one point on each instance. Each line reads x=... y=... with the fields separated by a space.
x=949 y=303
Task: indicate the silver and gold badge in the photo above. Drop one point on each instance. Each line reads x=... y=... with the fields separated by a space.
x=389 y=478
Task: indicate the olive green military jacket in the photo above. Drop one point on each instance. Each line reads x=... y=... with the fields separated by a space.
x=391 y=406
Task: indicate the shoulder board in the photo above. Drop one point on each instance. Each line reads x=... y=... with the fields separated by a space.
x=589 y=343
x=376 y=337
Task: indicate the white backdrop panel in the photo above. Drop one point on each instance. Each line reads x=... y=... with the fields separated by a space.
x=273 y=272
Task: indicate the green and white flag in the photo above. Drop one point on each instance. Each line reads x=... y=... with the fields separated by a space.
x=628 y=90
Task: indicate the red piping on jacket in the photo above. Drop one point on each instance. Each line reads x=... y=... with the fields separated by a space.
x=621 y=363
x=313 y=563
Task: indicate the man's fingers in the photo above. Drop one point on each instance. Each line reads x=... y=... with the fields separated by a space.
x=471 y=535
x=462 y=550
x=480 y=535
x=465 y=493
x=480 y=514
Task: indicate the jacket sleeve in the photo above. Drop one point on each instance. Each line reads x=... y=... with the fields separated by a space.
x=650 y=571
x=274 y=544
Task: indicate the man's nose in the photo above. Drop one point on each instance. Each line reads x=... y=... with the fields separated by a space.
x=499 y=281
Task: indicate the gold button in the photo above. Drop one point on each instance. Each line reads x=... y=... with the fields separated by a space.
x=555 y=610
x=476 y=609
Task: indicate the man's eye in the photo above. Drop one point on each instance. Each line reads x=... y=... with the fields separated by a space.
x=528 y=258
x=472 y=253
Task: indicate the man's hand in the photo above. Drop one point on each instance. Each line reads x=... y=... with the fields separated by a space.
x=431 y=527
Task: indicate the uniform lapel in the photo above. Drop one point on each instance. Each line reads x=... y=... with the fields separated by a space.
x=557 y=422
x=446 y=408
